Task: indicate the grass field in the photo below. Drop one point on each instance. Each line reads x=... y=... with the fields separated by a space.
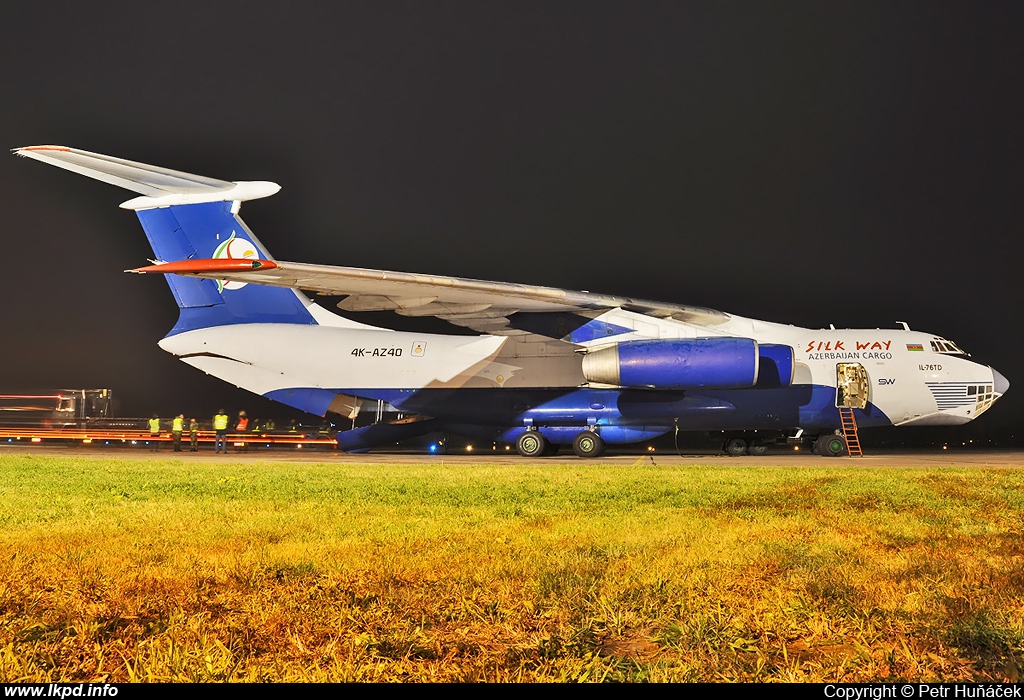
x=134 y=570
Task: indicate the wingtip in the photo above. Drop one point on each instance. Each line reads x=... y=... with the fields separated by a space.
x=25 y=150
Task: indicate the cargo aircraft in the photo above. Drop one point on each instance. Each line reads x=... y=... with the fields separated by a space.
x=548 y=367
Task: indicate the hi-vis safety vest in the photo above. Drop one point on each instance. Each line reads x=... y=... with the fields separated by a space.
x=154 y=425
x=176 y=425
x=220 y=421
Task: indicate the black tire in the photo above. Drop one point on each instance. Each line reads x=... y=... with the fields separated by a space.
x=736 y=447
x=758 y=449
x=531 y=444
x=830 y=445
x=588 y=445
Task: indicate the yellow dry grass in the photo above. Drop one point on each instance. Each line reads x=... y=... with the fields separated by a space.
x=124 y=570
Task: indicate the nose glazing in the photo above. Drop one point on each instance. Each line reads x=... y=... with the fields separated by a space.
x=999 y=382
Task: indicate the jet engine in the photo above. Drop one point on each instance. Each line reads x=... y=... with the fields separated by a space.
x=690 y=363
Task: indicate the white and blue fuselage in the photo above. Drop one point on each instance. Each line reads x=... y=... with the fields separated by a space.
x=476 y=384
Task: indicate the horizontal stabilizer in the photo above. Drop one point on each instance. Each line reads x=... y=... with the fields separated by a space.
x=160 y=187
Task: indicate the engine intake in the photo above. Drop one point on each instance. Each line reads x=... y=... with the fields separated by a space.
x=705 y=363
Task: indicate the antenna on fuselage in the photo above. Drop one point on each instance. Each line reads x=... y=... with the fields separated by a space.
x=904 y=324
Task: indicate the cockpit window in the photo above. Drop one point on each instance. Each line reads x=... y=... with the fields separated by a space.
x=945 y=347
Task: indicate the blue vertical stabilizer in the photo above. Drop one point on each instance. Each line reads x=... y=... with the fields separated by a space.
x=213 y=230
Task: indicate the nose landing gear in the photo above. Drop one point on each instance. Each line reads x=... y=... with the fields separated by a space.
x=830 y=445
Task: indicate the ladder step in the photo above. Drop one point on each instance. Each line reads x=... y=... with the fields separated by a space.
x=849 y=425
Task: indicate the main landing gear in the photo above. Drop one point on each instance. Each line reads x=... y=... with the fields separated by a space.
x=827 y=444
x=531 y=444
x=587 y=445
x=738 y=446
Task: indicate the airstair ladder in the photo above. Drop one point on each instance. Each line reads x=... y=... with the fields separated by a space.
x=849 y=424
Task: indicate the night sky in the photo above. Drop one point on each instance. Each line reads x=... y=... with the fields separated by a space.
x=808 y=163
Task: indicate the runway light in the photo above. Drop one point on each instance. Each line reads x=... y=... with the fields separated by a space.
x=239 y=444
x=945 y=447
x=650 y=448
x=508 y=447
x=796 y=448
x=469 y=448
x=433 y=448
x=87 y=441
x=37 y=439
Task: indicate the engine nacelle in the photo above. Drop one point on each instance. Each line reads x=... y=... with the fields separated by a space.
x=690 y=363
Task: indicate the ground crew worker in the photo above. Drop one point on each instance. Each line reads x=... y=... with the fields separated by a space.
x=177 y=425
x=220 y=426
x=154 y=432
x=193 y=435
x=242 y=427
x=270 y=425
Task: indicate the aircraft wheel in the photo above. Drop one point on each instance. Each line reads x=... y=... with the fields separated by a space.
x=758 y=449
x=531 y=444
x=830 y=445
x=736 y=447
x=588 y=445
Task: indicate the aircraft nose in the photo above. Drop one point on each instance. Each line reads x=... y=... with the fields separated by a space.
x=999 y=382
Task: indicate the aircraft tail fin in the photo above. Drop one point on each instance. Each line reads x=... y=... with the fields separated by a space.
x=192 y=217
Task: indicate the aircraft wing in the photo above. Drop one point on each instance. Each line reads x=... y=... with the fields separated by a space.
x=476 y=304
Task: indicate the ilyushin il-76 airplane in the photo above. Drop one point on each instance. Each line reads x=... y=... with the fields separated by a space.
x=549 y=367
